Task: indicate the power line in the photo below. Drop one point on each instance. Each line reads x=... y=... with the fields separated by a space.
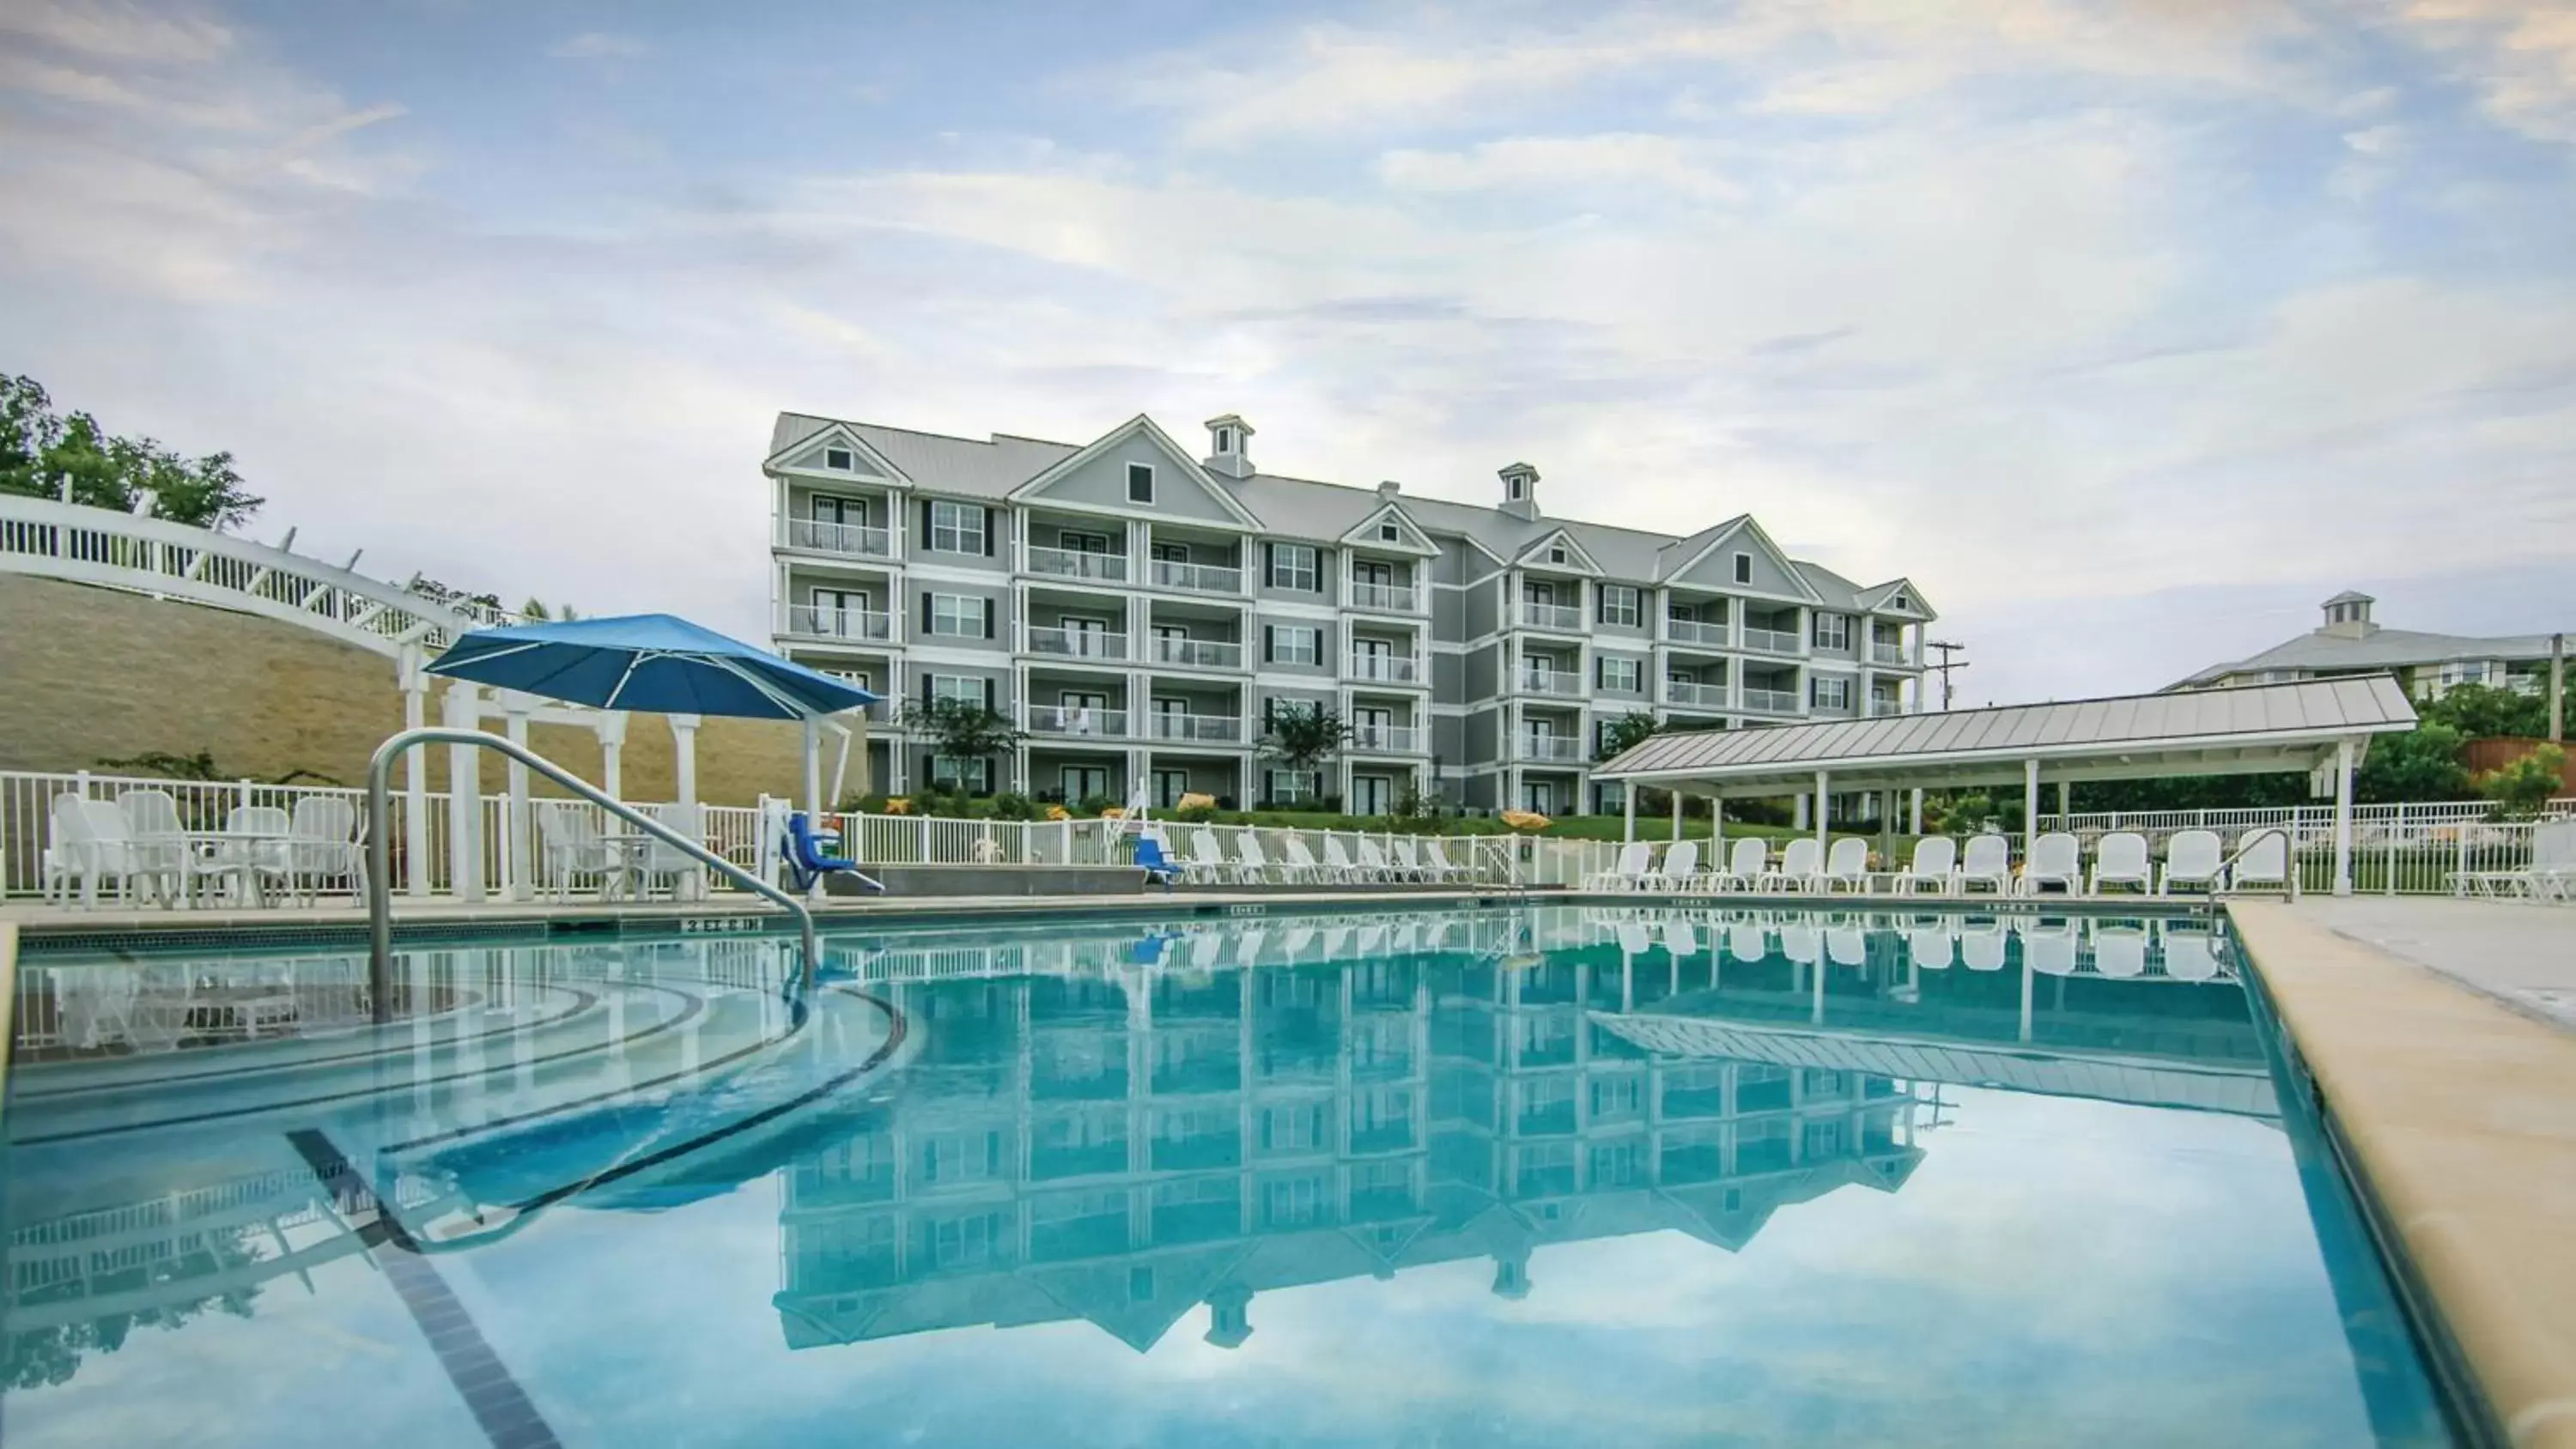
x=1946 y=665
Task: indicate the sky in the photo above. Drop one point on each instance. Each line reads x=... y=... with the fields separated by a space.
x=2129 y=332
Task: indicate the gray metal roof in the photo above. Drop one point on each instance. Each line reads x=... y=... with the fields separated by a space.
x=2379 y=649
x=1301 y=508
x=2217 y=731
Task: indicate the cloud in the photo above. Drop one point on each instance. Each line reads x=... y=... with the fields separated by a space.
x=112 y=31
x=2519 y=54
x=1674 y=167
x=597 y=45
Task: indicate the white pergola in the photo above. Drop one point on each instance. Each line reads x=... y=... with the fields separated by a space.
x=2320 y=727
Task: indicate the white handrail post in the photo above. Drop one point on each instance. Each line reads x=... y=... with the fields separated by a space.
x=2343 y=818
x=415 y=692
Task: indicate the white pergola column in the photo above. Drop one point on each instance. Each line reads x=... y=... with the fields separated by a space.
x=1628 y=803
x=2342 y=820
x=2065 y=801
x=463 y=710
x=611 y=729
x=1914 y=816
x=1824 y=806
x=1798 y=804
x=1677 y=816
x=414 y=674
x=684 y=757
x=515 y=709
x=2029 y=806
x=1716 y=829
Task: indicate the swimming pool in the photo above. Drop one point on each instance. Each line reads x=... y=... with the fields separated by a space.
x=1536 y=1175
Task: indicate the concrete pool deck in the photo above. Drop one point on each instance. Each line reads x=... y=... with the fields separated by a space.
x=2458 y=1111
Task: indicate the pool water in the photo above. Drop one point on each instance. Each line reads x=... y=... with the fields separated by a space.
x=1541 y=1176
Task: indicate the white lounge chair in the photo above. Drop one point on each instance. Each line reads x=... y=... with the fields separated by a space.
x=1301 y=867
x=2057 y=859
x=1988 y=862
x=2049 y=946
x=1981 y=944
x=1402 y=854
x=1846 y=944
x=1435 y=857
x=2263 y=860
x=1206 y=863
x=2190 y=955
x=1931 y=945
x=1626 y=873
x=2194 y=858
x=1744 y=865
x=569 y=847
x=1339 y=868
x=1680 y=867
x=667 y=863
x=1251 y=866
x=1935 y=863
x=1373 y=861
x=1847 y=866
x=1801 y=867
x=2120 y=948
x=87 y=843
x=2120 y=858
x=1747 y=941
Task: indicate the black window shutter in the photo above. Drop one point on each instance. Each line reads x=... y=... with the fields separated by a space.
x=1270 y=564
x=989 y=611
x=925 y=689
x=925 y=611
x=988 y=694
x=929 y=769
x=925 y=523
x=1269 y=643
x=988 y=553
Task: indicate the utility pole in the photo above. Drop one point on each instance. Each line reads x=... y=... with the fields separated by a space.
x=1946 y=665
x=2558 y=688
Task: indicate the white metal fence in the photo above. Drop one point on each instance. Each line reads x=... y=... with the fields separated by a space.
x=2302 y=821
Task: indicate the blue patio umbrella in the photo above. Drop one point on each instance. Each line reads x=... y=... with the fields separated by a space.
x=650 y=662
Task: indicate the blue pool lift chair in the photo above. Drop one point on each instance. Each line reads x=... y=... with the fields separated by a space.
x=1157 y=866
x=809 y=853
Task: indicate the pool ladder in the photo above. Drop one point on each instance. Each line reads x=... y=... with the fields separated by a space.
x=380 y=915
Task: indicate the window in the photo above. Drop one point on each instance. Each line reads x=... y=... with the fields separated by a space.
x=1225 y=440
x=1619 y=605
x=1513 y=487
x=960 y=616
x=1171 y=552
x=957 y=528
x=840 y=510
x=1291 y=785
x=962 y=687
x=1292 y=566
x=1744 y=568
x=1389 y=532
x=1833 y=631
x=1072 y=542
x=1828 y=692
x=1140 y=482
x=1622 y=676
x=1380 y=574
x=1899 y=602
x=838 y=459
x=1083 y=782
x=1556 y=555
x=952 y=773
x=1292 y=644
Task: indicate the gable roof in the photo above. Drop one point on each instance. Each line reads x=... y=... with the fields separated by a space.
x=1577 y=557
x=1416 y=541
x=806 y=439
x=1139 y=426
x=2380 y=649
x=1876 y=597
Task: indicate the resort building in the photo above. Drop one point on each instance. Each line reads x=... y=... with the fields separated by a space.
x=1140 y=612
x=2348 y=642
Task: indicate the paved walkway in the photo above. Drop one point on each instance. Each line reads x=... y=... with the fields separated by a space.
x=2521 y=954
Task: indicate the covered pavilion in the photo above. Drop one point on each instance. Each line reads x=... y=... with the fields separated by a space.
x=2321 y=727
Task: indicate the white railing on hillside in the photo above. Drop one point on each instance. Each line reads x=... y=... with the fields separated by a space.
x=2302 y=821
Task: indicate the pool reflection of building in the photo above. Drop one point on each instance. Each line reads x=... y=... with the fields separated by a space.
x=1123 y=1151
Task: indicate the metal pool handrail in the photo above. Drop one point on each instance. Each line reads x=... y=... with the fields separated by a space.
x=380 y=929
x=2245 y=847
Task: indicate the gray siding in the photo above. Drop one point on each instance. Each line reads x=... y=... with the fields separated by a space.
x=1717 y=571
x=1484 y=672
x=1484 y=607
x=1449 y=738
x=1102 y=483
x=1449 y=678
x=1448 y=616
x=1484 y=736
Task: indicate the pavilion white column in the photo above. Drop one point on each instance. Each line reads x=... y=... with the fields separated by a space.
x=1716 y=829
x=684 y=757
x=2029 y=806
x=1914 y=817
x=2342 y=820
x=1824 y=807
x=1799 y=804
x=1677 y=815
x=515 y=709
x=1886 y=800
x=1628 y=800
x=2065 y=801
x=611 y=729
x=464 y=711
x=414 y=669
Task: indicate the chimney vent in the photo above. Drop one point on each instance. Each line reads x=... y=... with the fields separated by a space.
x=1229 y=446
x=1387 y=490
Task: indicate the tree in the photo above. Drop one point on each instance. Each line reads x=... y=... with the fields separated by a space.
x=1624 y=734
x=2482 y=712
x=43 y=455
x=454 y=598
x=961 y=729
x=2522 y=787
x=1304 y=736
x=537 y=611
x=2421 y=764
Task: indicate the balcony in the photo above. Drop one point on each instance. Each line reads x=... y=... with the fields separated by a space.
x=1695 y=695
x=1069 y=563
x=1562 y=682
x=1771 y=641
x=1197 y=728
x=818 y=623
x=1692 y=631
x=1560 y=749
x=1882 y=652
x=1197 y=578
x=1392 y=668
x=1197 y=653
x=854 y=540
x=1551 y=616
x=1881 y=708
x=1771 y=701
x=1386 y=739
x=1389 y=598
x=1079 y=722
x=1078 y=643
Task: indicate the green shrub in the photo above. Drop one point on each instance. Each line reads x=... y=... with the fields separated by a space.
x=2521 y=788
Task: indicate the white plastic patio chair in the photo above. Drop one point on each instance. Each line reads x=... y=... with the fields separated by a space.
x=1989 y=860
x=569 y=845
x=1206 y=864
x=1251 y=866
x=322 y=845
x=1847 y=865
x=158 y=843
x=1931 y=945
x=1373 y=861
x=1935 y=863
x=2049 y=946
x=1981 y=944
x=258 y=857
x=2190 y=955
x=1624 y=875
x=667 y=863
x=1301 y=867
x=2120 y=948
x=2120 y=858
x=2192 y=857
x=2057 y=859
x=1745 y=865
x=1338 y=866
x=87 y=843
x=1436 y=857
x=2264 y=859
x=1679 y=868
x=1801 y=867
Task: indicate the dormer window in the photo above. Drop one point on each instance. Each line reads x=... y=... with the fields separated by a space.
x=1514 y=489
x=1556 y=555
x=1744 y=568
x=1389 y=533
x=1899 y=602
x=1140 y=482
x=839 y=460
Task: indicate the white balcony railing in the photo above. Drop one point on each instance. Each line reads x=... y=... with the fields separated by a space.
x=1078 y=643
x=855 y=539
x=1197 y=653
x=820 y=623
x=1395 y=668
x=1073 y=563
x=1564 y=748
x=1386 y=739
x=1694 y=694
x=1080 y=721
x=1207 y=728
x=1693 y=631
x=1880 y=708
x=1771 y=641
x=1197 y=578
x=1550 y=616
x=1882 y=652
x=1771 y=701
x=1551 y=681
x=1395 y=598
